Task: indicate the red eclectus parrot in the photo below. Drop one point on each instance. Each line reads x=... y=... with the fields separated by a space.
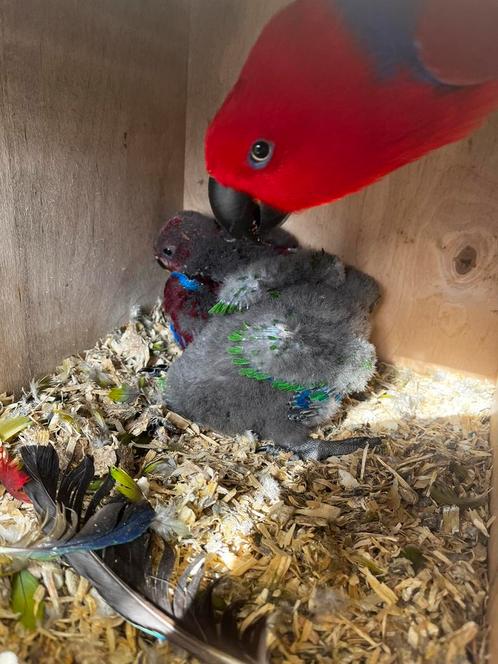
x=337 y=93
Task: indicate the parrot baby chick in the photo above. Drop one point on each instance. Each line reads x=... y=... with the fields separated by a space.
x=198 y=255
x=283 y=364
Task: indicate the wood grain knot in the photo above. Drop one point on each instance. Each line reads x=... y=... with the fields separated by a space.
x=468 y=257
x=465 y=260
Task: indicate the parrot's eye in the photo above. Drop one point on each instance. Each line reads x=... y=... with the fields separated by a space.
x=167 y=251
x=260 y=153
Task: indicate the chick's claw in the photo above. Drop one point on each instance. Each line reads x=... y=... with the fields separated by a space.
x=275 y=451
x=318 y=450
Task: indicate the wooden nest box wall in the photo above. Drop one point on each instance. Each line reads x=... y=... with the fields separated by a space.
x=103 y=110
x=92 y=133
x=104 y=107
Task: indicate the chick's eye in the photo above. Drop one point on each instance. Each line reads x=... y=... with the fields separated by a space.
x=260 y=153
x=167 y=251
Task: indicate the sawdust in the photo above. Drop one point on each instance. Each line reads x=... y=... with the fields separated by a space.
x=377 y=557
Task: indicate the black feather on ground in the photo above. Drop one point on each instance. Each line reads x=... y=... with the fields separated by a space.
x=58 y=502
x=190 y=608
x=122 y=570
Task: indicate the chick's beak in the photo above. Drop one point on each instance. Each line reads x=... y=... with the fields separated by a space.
x=161 y=263
x=240 y=215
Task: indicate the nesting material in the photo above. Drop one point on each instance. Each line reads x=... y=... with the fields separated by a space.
x=377 y=557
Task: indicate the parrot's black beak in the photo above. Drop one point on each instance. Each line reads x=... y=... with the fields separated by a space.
x=240 y=215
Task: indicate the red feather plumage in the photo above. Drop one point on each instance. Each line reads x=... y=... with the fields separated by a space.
x=12 y=477
x=312 y=88
x=188 y=311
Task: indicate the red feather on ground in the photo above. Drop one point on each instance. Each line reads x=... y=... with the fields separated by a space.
x=12 y=477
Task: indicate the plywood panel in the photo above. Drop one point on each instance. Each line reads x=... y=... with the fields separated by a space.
x=493 y=541
x=428 y=232
x=92 y=125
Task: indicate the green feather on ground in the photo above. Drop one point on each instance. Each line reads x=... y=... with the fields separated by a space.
x=23 y=600
x=123 y=393
x=126 y=485
x=11 y=426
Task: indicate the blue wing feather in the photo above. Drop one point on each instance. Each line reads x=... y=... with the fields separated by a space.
x=131 y=521
x=115 y=523
x=177 y=337
x=387 y=28
x=307 y=404
x=186 y=282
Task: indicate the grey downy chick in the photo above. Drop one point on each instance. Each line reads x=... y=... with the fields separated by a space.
x=281 y=366
x=199 y=254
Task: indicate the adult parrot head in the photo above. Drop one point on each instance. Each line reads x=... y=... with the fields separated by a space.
x=337 y=93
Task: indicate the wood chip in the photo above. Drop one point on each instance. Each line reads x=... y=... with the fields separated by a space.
x=353 y=559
